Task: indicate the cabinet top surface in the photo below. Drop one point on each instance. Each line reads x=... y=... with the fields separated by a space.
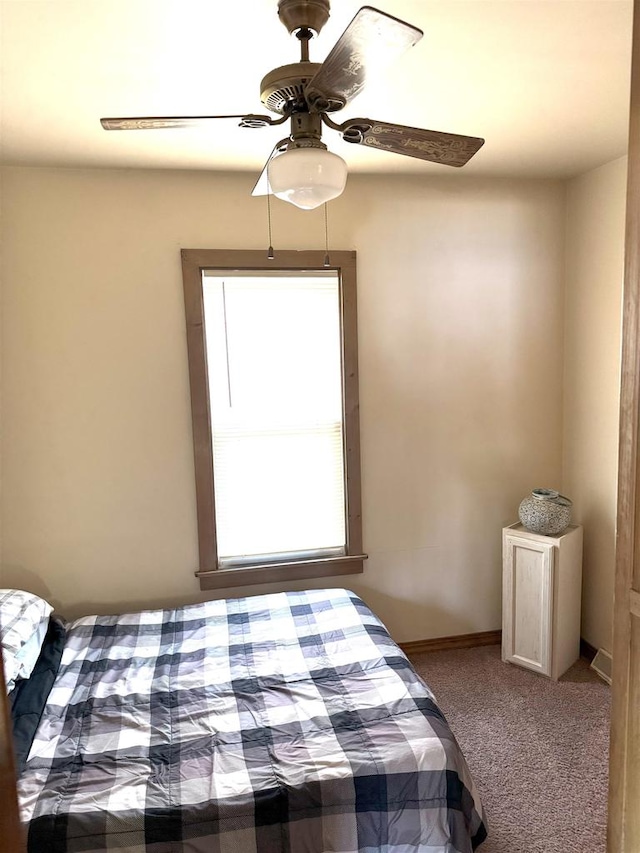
x=521 y=530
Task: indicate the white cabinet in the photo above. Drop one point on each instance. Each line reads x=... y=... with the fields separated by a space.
x=541 y=591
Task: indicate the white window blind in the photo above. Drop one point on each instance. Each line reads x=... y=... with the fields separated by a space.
x=275 y=385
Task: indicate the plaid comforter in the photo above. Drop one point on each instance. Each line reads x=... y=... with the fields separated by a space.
x=282 y=723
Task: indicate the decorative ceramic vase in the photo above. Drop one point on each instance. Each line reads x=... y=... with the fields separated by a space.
x=545 y=511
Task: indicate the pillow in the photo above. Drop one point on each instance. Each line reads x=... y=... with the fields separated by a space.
x=22 y=615
x=28 y=654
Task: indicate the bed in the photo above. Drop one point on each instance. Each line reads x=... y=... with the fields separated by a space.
x=280 y=723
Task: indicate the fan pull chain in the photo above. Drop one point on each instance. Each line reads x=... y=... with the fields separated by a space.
x=327 y=262
x=270 y=252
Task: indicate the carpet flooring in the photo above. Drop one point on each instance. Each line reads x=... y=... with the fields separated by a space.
x=537 y=749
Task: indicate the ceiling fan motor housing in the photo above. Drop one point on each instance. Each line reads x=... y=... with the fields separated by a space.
x=303 y=14
x=285 y=86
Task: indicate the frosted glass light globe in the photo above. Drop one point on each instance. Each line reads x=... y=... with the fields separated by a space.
x=307 y=177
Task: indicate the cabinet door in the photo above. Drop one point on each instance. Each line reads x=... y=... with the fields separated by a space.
x=527 y=603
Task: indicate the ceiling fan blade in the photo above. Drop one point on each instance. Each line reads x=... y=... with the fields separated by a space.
x=163 y=122
x=262 y=186
x=450 y=149
x=372 y=41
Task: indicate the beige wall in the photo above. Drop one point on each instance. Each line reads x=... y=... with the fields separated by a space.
x=595 y=259
x=460 y=324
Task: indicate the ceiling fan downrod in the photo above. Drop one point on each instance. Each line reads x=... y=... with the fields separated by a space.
x=304 y=36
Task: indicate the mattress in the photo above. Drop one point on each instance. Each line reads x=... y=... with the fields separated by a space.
x=281 y=723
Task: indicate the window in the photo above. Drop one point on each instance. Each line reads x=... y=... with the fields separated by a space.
x=274 y=399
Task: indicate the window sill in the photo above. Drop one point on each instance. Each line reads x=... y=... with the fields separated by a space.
x=280 y=572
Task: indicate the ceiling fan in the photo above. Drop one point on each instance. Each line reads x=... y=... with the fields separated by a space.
x=300 y=169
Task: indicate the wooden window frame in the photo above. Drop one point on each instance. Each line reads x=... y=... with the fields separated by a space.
x=194 y=263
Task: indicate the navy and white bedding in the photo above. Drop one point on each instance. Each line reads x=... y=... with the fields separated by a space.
x=281 y=723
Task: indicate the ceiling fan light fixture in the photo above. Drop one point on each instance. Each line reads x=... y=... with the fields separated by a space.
x=307 y=177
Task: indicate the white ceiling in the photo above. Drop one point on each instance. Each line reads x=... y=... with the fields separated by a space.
x=546 y=82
